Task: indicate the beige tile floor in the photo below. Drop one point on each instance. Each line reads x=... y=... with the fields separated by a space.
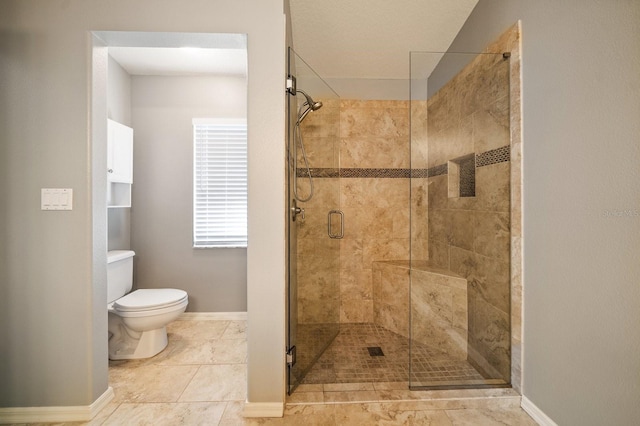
x=200 y=379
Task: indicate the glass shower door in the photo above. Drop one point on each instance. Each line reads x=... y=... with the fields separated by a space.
x=314 y=224
x=460 y=220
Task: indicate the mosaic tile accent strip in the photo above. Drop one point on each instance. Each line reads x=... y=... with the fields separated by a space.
x=355 y=173
x=347 y=360
x=494 y=156
x=375 y=173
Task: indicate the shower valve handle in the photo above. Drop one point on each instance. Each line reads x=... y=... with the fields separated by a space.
x=295 y=211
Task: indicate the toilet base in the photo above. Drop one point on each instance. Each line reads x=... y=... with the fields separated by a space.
x=128 y=344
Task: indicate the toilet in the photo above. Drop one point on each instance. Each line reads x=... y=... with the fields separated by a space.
x=137 y=320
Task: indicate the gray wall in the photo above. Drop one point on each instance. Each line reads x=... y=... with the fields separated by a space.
x=53 y=320
x=162 y=199
x=581 y=109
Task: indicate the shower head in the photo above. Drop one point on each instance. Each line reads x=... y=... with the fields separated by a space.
x=312 y=104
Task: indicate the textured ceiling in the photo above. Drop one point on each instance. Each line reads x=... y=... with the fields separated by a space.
x=361 y=47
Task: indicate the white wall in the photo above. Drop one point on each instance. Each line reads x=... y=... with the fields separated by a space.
x=53 y=264
x=163 y=109
x=581 y=227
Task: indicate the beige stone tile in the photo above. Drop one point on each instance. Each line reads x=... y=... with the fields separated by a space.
x=310 y=388
x=440 y=225
x=492 y=236
x=196 y=329
x=388 y=121
x=310 y=415
x=356 y=311
x=473 y=417
x=351 y=253
x=341 y=387
x=374 y=152
x=104 y=414
x=355 y=283
x=351 y=396
x=235 y=330
x=439 y=254
x=374 y=414
x=443 y=111
x=391 y=386
x=353 y=193
x=493 y=187
x=167 y=414
x=384 y=249
x=437 y=192
x=491 y=126
x=323 y=123
x=320 y=151
x=231 y=351
x=462 y=230
x=225 y=382
x=150 y=383
x=190 y=352
x=516 y=189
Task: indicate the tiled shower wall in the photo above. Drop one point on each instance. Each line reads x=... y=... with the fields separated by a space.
x=373 y=193
x=374 y=149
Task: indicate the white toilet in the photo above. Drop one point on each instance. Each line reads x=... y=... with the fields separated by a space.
x=137 y=320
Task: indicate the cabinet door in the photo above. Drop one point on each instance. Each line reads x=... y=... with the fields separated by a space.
x=119 y=153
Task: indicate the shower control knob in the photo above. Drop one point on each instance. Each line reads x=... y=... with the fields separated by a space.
x=295 y=211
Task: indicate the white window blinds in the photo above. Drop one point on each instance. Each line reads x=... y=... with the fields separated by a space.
x=220 y=183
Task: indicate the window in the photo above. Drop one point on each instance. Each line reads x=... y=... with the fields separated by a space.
x=220 y=183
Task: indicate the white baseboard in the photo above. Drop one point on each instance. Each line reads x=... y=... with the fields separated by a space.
x=80 y=413
x=202 y=316
x=263 y=409
x=537 y=414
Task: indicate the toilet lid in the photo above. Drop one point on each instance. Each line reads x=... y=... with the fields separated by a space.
x=146 y=299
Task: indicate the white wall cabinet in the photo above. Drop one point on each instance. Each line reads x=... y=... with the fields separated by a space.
x=119 y=164
x=119 y=152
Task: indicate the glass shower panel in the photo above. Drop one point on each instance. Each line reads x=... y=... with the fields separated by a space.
x=460 y=221
x=313 y=230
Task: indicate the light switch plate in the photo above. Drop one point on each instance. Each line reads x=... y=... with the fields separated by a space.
x=56 y=199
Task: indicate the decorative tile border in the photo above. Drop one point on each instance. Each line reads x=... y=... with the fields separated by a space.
x=494 y=156
x=355 y=173
x=377 y=173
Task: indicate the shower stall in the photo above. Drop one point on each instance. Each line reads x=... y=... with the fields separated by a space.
x=401 y=226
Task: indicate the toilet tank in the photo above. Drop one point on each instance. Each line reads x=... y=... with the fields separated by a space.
x=119 y=273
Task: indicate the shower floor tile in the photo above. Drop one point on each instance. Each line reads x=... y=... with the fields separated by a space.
x=347 y=360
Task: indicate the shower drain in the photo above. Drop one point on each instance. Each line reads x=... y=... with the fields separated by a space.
x=375 y=351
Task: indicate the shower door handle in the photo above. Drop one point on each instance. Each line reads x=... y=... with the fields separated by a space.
x=329 y=230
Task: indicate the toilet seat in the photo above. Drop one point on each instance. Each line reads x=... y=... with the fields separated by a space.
x=150 y=300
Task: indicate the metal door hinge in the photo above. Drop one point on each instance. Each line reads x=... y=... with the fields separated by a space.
x=291 y=356
x=291 y=85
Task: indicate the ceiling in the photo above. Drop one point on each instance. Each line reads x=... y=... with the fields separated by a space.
x=142 y=53
x=180 y=60
x=361 y=47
